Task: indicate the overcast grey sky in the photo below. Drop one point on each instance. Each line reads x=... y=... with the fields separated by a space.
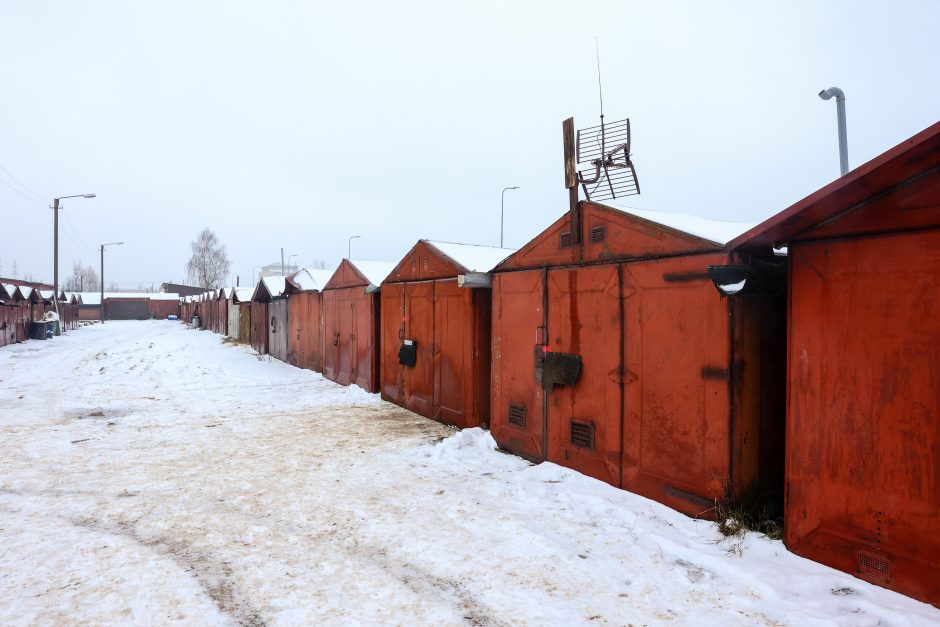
x=298 y=124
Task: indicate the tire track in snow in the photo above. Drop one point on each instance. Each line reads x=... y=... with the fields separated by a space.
x=216 y=578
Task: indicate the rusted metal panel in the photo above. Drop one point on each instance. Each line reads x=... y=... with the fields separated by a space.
x=555 y=246
x=365 y=339
x=350 y=337
x=424 y=262
x=7 y=324
x=461 y=354
x=863 y=430
x=448 y=330
x=259 y=326
x=305 y=333
x=392 y=334
x=126 y=309
x=609 y=234
x=160 y=309
x=666 y=368
x=346 y=275
x=244 y=323
x=278 y=329
x=331 y=333
x=419 y=329
x=584 y=430
x=518 y=342
x=678 y=373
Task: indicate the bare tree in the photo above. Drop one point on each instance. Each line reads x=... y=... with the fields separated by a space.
x=209 y=264
x=319 y=264
x=83 y=279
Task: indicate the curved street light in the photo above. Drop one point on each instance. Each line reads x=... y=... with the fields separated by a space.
x=55 y=238
x=349 y=246
x=839 y=95
x=502 y=204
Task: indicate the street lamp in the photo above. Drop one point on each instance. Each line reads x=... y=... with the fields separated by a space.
x=826 y=94
x=349 y=246
x=55 y=238
x=102 y=275
x=289 y=258
x=502 y=204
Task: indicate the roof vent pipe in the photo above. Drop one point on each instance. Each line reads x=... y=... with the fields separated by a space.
x=826 y=94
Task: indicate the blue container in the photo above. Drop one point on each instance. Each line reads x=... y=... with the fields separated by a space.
x=38 y=330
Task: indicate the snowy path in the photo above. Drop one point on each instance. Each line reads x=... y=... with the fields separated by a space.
x=151 y=474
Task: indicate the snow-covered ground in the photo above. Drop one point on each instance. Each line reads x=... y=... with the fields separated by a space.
x=151 y=474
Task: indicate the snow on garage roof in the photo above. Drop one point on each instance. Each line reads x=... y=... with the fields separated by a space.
x=473 y=257
x=275 y=285
x=310 y=279
x=374 y=271
x=718 y=231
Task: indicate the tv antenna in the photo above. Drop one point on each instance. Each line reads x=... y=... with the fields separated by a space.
x=604 y=169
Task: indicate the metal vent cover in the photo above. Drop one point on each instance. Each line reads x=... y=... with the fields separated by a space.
x=565 y=240
x=598 y=233
x=874 y=567
x=560 y=369
x=582 y=434
x=517 y=415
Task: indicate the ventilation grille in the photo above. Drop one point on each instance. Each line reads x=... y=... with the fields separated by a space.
x=517 y=415
x=566 y=239
x=874 y=567
x=598 y=233
x=582 y=434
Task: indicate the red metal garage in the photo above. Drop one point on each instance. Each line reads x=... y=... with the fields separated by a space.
x=242 y=299
x=615 y=355
x=269 y=317
x=351 y=323
x=863 y=411
x=436 y=334
x=305 y=319
x=9 y=314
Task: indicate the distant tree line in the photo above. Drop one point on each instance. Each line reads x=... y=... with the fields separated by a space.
x=83 y=279
x=209 y=264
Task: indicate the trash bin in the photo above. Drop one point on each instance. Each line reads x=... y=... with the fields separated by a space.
x=195 y=322
x=37 y=330
x=52 y=319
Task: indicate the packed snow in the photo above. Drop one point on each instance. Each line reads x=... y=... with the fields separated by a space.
x=151 y=474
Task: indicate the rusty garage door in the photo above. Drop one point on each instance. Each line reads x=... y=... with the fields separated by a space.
x=584 y=315
x=518 y=343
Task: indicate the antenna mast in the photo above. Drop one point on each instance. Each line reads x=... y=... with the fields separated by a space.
x=600 y=92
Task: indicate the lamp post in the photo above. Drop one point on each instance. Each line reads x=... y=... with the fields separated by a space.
x=826 y=94
x=502 y=205
x=102 y=276
x=349 y=246
x=55 y=238
x=288 y=261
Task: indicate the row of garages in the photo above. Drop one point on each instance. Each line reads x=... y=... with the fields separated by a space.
x=644 y=351
x=21 y=305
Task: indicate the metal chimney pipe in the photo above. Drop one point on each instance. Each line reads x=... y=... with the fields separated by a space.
x=826 y=94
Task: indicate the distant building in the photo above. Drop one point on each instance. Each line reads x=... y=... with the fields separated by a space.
x=182 y=290
x=276 y=269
